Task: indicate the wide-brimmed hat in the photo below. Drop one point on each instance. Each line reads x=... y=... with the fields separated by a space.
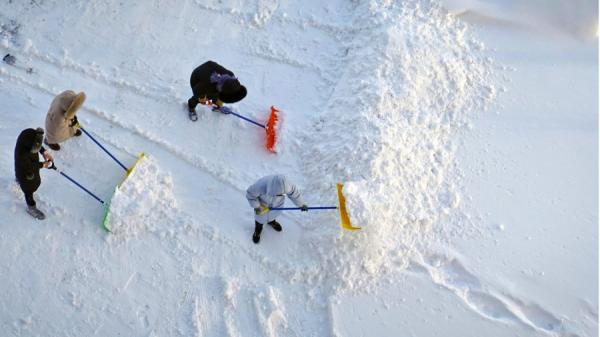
x=232 y=91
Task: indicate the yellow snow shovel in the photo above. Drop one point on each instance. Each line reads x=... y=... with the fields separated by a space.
x=344 y=218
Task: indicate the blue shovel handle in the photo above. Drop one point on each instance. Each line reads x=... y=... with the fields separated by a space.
x=298 y=208
x=103 y=148
x=53 y=167
x=228 y=111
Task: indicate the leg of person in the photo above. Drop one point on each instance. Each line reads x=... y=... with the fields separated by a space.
x=31 y=206
x=276 y=226
x=271 y=216
x=54 y=147
x=257 y=230
x=29 y=198
x=192 y=103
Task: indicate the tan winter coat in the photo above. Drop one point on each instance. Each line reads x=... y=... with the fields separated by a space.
x=62 y=110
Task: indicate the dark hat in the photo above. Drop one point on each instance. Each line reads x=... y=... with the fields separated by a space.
x=29 y=139
x=232 y=91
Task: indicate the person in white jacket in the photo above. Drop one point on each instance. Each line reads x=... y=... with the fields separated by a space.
x=269 y=192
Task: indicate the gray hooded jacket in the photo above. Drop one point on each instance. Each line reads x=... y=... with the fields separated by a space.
x=270 y=191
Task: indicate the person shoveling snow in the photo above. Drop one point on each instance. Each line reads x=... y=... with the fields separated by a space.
x=269 y=192
x=213 y=84
x=61 y=121
x=27 y=166
x=267 y=197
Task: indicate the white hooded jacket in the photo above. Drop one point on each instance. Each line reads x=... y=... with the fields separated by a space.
x=270 y=191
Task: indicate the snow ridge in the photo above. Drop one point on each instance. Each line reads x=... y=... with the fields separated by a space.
x=387 y=132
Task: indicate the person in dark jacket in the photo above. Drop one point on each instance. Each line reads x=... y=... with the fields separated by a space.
x=213 y=84
x=27 y=166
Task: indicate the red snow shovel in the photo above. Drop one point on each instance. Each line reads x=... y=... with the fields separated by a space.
x=270 y=127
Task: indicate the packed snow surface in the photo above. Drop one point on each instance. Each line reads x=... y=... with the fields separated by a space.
x=384 y=96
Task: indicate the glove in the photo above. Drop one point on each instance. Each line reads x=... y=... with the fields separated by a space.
x=304 y=208
x=74 y=122
x=224 y=110
x=204 y=100
x=219 y=103
x=47 y=156
x=261 y=210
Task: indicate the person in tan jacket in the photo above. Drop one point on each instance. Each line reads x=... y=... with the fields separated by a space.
x=61 y=121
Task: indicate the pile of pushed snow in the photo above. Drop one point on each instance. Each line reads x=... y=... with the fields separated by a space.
x=410 y=80
x=145 y=202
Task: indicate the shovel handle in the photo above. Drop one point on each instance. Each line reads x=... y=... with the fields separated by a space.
x=229 y=111
x=80 y=186
x=103 y=148
x=298 y=208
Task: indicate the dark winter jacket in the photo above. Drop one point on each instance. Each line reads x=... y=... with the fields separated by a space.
x=27 y=164
x=201 y=84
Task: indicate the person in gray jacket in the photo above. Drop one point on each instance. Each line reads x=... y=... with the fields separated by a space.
x=269 y=192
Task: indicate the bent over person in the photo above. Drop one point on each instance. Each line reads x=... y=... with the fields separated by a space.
x=270 y=192
x=27 y=166
x=213 y=84
x=61 y=121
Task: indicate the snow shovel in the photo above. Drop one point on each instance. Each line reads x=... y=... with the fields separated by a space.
x=128 y=171
x=270 y=127
x=344 y=218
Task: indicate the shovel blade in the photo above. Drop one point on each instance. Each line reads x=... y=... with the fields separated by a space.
x=271 y=129
x=344 y=218
x=106 y=219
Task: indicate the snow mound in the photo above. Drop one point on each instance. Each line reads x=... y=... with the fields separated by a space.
x=145 y=202
x=387 y=132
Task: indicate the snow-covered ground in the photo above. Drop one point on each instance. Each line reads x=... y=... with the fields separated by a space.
x=466 y=133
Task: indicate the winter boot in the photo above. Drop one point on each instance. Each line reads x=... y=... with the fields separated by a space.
x=78 y=133
x=10 y=59
x=54 y=147
x=192 y=114
x=35 y=212
x=257 y=230
x=276 y=226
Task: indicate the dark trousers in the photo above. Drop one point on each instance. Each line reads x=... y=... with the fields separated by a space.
x=29 y=198
x=28 y=189
x=258 y=226
x=193 y=102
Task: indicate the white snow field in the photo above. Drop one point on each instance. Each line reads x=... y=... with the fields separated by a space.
x=465 y=131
